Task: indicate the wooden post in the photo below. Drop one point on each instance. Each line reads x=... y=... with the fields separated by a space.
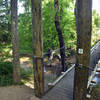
x=37 y=47
x=83 y=14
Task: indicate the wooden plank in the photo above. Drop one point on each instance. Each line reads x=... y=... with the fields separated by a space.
x=63 y=90
x=62 y=76
x=37 y=47
x=84 y=26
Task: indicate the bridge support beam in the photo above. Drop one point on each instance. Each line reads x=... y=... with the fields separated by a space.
x=37 y=47
x=83 y=14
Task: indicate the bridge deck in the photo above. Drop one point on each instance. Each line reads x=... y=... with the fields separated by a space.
x=63 y=90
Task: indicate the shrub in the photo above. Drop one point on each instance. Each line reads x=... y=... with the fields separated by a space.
x=6 y=73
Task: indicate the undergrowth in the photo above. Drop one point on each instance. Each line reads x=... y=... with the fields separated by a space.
x=6 y=74
x=6 y=70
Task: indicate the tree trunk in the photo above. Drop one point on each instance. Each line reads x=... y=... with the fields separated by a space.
x=15 y=42
x=84 y=26
x=37 y=47
x=60 y=36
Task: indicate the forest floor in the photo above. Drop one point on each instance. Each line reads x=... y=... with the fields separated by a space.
x=17 y=93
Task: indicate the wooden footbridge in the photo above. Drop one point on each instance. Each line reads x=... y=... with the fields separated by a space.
x=64 y=86
x=74 y=83
x=62 y=90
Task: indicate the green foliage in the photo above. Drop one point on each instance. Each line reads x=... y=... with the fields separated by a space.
x=6 y=70
x=67 y=20
x=25 y=33
x=5 y=34
x=96 y=19
x=50 y=35
x=4 y=21
x=95 y=27
x=68 y=24
x=5 y=52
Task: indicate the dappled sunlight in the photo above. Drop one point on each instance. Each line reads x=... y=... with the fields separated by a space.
x=28 y=83
x=23 y=59
x=27 y=72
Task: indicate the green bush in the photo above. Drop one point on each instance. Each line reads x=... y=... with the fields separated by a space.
x=6 y=73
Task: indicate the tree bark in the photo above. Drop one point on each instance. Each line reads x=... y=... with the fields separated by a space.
x=37 y=47
x=60 y=36
x=83 y=14
x=15 y=42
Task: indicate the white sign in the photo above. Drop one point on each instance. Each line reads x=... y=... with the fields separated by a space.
x=80 y=51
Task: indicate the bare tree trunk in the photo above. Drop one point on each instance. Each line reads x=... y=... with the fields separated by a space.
x=84 y=26
x=60 y=36
x=15 y=42
x=37 y=47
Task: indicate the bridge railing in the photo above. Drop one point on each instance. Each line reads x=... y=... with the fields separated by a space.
x=92 y=76
x=53 y=69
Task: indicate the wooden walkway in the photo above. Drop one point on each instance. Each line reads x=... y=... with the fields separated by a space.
x=63 y=90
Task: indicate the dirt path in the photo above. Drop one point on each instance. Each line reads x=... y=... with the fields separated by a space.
x=17 y=93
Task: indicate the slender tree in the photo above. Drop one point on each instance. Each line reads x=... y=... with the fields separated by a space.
x=15 y=41
x=60 y=36
x=37 y=47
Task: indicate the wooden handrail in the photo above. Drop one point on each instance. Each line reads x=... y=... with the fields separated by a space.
x=59 y=78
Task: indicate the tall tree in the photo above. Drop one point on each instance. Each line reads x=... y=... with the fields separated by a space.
x=60 y=36
x=84 y=28
x=15 y=41
x=37 y=47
